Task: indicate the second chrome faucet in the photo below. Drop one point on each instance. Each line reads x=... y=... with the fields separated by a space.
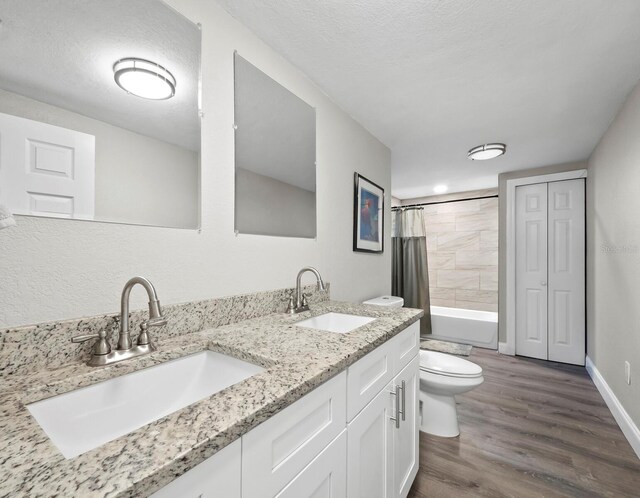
x=102 y=353
x=299 y=303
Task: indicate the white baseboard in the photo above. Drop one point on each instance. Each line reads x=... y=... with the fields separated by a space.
x=628 y=427
x=505 y=348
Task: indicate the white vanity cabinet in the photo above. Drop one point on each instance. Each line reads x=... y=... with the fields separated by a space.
x=382 y=454
x=340 y=440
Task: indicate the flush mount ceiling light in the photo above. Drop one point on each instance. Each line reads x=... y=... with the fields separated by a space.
x=486 y=151
x=440 y=189
x=144 y=78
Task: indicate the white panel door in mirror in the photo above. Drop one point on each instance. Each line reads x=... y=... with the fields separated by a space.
x=46 y=170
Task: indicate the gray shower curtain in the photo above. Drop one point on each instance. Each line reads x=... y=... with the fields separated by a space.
x=410 y=276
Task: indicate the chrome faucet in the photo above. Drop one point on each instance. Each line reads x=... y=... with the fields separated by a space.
x=301 y=299
x=155 y=313
x=102 y=353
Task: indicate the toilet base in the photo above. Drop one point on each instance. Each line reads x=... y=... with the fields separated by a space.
x=438 y=415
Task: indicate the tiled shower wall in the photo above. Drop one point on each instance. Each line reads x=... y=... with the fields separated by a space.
x=462 y=250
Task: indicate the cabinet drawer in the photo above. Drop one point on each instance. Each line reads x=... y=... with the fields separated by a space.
x=326 y=475
x=367 y=376
x=406 y=345
x=279 y=449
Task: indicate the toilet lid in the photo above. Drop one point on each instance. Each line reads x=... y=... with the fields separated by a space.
x=446 y=364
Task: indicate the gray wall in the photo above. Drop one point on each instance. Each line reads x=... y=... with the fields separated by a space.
x=502 y=230
x=613 y=255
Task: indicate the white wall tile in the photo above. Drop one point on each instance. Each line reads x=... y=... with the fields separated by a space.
x=459 y=207
x=462 y=251
x=489 y=280
x=476 y=221
x=476 y=260
x=439 y=260
x=489 y=239
x=459 y=241
x=458 y=279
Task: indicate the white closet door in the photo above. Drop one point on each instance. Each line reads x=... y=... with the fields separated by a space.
x=531 y=270
x=566 y=272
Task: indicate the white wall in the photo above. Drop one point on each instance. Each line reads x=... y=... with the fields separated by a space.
x=613 y=255
x=55 y=269
x=135 y=174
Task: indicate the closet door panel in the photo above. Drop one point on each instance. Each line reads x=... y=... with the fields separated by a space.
x=566 y=215
x=531 y=270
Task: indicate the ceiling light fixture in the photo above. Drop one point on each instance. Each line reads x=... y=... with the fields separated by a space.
x=440 y=189
x=486 y=151
x=144 y=79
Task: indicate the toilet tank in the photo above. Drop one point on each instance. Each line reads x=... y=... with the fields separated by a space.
x=386 y=301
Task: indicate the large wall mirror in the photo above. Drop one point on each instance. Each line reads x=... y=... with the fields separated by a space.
x=99 y=111
x=275 y=141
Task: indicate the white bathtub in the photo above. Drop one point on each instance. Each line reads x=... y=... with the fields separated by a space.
x=479 y=328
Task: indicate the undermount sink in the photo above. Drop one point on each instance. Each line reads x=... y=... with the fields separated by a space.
x=81 y=420
x=335 y=322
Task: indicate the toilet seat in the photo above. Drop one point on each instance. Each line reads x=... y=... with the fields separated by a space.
x=448 y=365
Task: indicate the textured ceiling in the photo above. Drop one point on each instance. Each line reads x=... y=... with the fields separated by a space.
x=432 y=78
x=62 y=52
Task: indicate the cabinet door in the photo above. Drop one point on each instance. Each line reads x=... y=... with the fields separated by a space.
x=405 y=440
x=325 y=476
x=217 y=476
x=369 y=449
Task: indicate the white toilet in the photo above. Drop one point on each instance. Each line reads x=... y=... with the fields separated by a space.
x=442 y=376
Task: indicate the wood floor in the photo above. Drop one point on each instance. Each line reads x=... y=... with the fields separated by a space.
x=532 y=429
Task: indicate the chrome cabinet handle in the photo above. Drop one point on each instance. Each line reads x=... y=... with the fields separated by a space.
x=396 y=419
x=404 y=390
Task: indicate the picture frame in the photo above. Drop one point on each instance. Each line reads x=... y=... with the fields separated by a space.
x=368 y=216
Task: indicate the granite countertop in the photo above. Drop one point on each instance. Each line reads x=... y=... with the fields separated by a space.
x=296 y=360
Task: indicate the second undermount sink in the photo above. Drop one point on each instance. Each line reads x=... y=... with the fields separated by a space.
x=81 y=420
x=340 y=323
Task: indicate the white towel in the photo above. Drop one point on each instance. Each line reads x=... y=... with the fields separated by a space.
x=6 y=218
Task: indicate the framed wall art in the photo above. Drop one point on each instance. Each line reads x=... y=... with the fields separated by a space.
x=368 y=216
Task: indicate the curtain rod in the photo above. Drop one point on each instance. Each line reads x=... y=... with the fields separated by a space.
x=415 y=206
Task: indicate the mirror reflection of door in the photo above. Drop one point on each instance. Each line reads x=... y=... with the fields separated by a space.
x=50 y=170
x=275 y=141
